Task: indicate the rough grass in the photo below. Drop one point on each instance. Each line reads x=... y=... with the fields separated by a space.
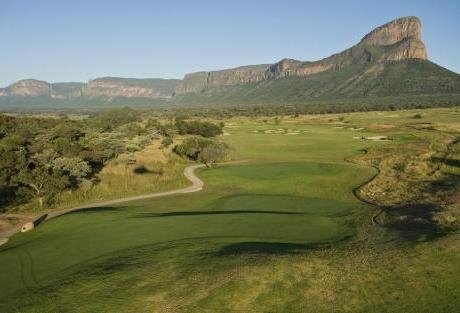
x=147 y=171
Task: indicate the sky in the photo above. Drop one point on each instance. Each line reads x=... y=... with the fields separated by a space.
x=61 y=40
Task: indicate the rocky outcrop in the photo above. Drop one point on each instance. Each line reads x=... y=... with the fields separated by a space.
x=398 y=40
x=108 y=87
x=28 y=88
x=201 y=81
x=130 y=88
x=39 y=88
x=395 y=31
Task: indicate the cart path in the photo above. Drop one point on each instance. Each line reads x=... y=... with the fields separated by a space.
x=189 y=173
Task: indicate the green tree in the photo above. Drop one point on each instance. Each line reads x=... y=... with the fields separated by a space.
x=75 y=168
x=43 y=181
x=205 y=129
x=201 y=149
x=213 y=153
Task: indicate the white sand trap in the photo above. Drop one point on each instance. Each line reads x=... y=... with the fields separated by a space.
x=338 y=127
x=378 y=138
x=293 y=133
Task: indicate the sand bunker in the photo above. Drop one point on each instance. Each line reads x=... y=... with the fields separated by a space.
x=373 y=138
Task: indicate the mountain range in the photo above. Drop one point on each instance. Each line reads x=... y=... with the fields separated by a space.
x=389 y=62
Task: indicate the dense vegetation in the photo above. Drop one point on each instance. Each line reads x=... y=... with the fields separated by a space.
x=41 y=157
x=204 y=150
x=205 y=129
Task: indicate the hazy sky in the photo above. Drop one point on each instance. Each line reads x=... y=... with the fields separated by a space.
x=64 y=40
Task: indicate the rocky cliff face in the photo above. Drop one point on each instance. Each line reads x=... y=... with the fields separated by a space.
x=130 y=88
x=398 y=40
x=28 y=88
x=395 y=31
x=101 y=87
x=39 y=88
x=202 y=81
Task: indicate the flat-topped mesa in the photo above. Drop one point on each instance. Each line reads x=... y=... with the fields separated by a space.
x=395 y=41
x=201 y=81
x=130 y=87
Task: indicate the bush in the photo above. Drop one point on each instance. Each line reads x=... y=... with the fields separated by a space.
x=166 y=142
x=202 y=149
x=205 y=129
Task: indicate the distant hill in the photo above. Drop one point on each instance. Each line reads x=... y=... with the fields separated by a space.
x=388 y=66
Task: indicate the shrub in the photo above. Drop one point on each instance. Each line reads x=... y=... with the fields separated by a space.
x=166 y=142
x=202 y=149
x=205 y=129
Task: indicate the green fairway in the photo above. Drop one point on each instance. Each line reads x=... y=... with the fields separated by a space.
x=243 y=242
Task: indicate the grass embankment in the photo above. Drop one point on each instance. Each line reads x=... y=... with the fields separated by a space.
x=281 y=232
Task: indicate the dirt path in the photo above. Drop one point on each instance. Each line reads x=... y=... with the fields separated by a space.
x=189 y=172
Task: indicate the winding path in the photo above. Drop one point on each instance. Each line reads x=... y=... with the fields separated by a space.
x=189 y=173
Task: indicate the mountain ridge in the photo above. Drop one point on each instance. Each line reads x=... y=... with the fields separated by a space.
x=401 y=39
x=390 y=60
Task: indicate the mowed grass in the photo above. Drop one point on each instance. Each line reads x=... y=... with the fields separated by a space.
x=279 y=232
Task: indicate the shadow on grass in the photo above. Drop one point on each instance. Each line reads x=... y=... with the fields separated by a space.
x=272 y=248
x=94 y=210
x=447 y=161
x=141 y=170
x=414 y=222
x=40 y=220
x=265 y=248
x=195 y=213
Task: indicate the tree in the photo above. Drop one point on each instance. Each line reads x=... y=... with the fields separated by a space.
x=191 y=147
x=205 y=129
x=44 y=182
x=202 y=149
x=75 y=168
x=213 y=153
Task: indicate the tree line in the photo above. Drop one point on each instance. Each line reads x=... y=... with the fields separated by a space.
x=43 y=156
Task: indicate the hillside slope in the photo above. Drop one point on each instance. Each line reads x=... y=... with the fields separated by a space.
x=389 y=66
x=401 y=78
